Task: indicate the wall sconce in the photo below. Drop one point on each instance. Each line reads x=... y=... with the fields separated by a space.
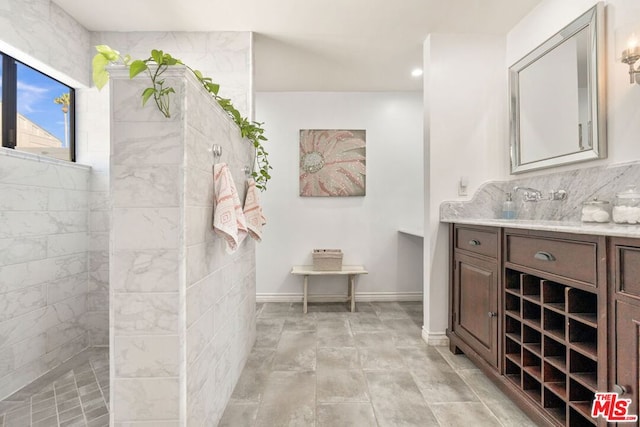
x=630 y=56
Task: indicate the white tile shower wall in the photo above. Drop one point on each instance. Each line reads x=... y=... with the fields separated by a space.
x=42 y=35
x=220 y=288
x=43 y=265
x=173 y=287
x=145 y=241
x=92 y=148
x=225 y=56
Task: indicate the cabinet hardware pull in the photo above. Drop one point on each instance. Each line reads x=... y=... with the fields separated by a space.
x=620 y=389
x=544 y=256
x=492 y=314
x=474 y=242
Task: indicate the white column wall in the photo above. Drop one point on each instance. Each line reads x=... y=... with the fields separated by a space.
x=466 y=129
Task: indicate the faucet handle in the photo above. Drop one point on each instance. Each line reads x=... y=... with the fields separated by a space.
x=557 y=195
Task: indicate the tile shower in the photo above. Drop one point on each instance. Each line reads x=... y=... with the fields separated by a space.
x=54 y=250
x=182 y=311
x=43 y=266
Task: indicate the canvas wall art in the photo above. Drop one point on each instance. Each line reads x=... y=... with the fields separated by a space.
x=332 y=163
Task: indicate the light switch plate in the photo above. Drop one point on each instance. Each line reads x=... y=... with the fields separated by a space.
x=463 y=184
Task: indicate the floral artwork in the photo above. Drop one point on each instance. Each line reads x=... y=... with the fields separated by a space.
x=332 y=163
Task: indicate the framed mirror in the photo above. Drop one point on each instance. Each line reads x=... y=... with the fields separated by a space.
x=557 y=99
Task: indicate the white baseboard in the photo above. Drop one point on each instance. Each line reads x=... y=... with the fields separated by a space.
x=436 y=339
x=360 y=297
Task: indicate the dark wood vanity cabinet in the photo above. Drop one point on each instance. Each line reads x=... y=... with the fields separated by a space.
x=546 y=295
x=555 y=318
x=624 y=309
x=474 y=299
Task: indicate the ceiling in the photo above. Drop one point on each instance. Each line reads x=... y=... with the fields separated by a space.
x=315 y=45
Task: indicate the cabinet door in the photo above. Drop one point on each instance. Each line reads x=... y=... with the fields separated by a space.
x=628 y=351
x=475 y=305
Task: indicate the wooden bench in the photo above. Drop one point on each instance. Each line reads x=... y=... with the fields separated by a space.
x=347 y=270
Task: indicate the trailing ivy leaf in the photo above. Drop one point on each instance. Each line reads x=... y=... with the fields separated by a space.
x=213 y=88
x=251 y=130
x=148 y=92
x=157 y=56
x=136 y=68
x=100 y=75
x=110 y=54
x=169 y=60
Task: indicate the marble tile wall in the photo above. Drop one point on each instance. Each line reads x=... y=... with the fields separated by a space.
x=182 y=310
x=92 y=148
x=225 y=56
x=41 y=34
x=220 y=288
x=580 y=184
x=146 y=262
x=43 y=265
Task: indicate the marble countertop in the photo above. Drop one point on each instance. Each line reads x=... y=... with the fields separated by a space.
x=607 y=229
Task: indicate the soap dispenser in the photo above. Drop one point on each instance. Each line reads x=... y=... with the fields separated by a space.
x=508 y=208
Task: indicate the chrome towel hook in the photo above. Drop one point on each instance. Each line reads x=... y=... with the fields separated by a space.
x=216 y=150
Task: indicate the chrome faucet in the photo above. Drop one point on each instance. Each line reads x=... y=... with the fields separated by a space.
x=533 y=195
x=530 y=194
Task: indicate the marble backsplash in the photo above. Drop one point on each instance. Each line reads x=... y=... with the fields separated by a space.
x=581 y=185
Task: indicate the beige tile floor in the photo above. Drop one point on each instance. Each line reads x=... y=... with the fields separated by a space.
x=326 y=368
x=75 y=394
x=369 y=368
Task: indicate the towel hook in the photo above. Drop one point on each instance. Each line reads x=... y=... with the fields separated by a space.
x=247 y=171
x=216 y=150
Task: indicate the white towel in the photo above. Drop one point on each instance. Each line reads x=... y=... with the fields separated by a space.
x=253 y=211
x=228 y=219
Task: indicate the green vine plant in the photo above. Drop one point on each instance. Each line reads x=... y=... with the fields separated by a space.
x=155 y=66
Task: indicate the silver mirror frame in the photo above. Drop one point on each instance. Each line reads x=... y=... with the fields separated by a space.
x=594 y=19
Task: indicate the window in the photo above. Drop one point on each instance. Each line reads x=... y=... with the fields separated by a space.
x=38 y=114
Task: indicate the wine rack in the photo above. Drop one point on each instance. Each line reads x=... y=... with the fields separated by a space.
x=551 y=345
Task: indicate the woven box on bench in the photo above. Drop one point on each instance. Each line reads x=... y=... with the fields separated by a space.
x=327 y=259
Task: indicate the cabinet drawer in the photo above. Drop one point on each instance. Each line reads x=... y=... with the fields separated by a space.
x=627 y=265
x=571 y=259
x=483 y=242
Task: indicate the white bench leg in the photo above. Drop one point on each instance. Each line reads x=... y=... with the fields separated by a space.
x=352 y=291
x=304 y=299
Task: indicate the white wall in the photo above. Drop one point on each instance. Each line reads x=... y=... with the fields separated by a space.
x=365 y=228
x=623 y=114
x=466 y=125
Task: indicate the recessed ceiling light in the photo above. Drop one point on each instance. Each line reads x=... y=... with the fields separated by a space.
x=417 y=72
